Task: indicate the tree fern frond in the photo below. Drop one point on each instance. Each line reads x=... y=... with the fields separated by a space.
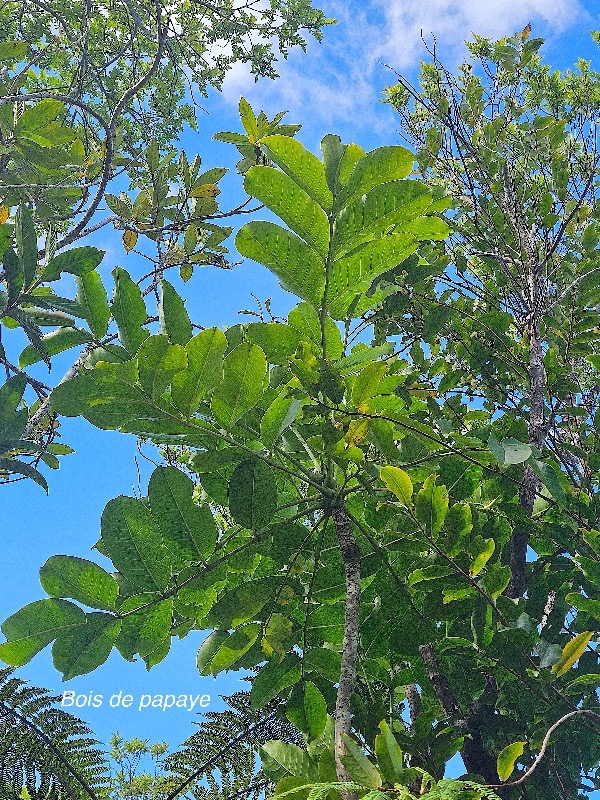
x=43 y=749
x=223 y=751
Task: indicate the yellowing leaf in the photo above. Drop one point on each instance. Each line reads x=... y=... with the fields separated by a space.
x=357 y=431
x=399 y=483
x=206 y=190
x=506 y=760
x=4 y=212
x=571 y=652
x=129 y=240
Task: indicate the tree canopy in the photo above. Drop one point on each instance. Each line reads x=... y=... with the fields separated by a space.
x=384 y=503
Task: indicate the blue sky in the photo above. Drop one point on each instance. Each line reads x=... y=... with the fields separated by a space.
x=335 y=87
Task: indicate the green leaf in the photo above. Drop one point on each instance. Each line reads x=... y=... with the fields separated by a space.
x=13 y=271
x=129 y=311
x=245 y=375
x=279 y=341
x=273 y=678
x=158 y=363
x=56 y=342
x=299 y=269
x=480 y=550
x=188 y=530
x=571 y=652
x=13 y=465
x=34 y=626
x=307 y=710
x=252 y=494
x=457 y=526
x=12 y=422
x=505 y=763
x=358 y=765
x=278 y=417
x=205 y=370
x=301 y=166
x=509 y=451
x=85 y=647
x=549 y=478
x=248 y=120
x=389 y=755
x=143 y=632
x=13 y=51
x=133 y=543
x=173 y=317
x=77 y=261
x=431 y=506
x=79 y=579
x=224 y=651
x=305 y=320
x=380 y=166
x=26 y=240
x=399 y=484
x=92 y=296
x=326 y=663
x=292 y=204
x=497 y=578
x=278 y=637
x=292 y=758
x=352 y=275
x=374 y=213
x=584 y=604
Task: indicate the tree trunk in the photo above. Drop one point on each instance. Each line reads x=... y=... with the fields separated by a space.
x=529 y=482
x=351 y=558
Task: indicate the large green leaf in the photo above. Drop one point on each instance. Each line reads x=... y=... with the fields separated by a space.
x=389 y=755
x=572 y=652
x=188 y=530
x=293 y=205
x=79 y=579
x=34 y=626
x=12 y=421
x=307 y=710
x=245 y=373
x=91 y=294
x=292 y=758
x=132 y=540
x=380 y=166
x=360 y=769
x=56 y=342
x=352 y=275
x=26 y=240
x=82 y=649
x=431 y=505
x=158 y=362
x=238 y=606
x=305 y=320
x=205 y=370
x=273 y=678
x=299 y=269
x=507 y=758
x=399 y=483
x=253 y=494
x=144 y=631
x=129 y=311
x=76 y=261
x=278 y=417
x=301 y=165
x=222 y=650
x=377 y=212
x=174 y=319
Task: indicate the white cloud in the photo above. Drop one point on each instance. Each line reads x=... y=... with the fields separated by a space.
x=339 y=81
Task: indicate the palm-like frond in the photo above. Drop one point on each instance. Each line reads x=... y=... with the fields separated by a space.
x=219 y=762
x=43 y=749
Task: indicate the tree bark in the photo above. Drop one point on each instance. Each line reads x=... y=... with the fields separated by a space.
x=536 y=436
x=474 y=754
x=351 y=559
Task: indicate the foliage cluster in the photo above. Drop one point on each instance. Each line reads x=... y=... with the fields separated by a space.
x=384 y=503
